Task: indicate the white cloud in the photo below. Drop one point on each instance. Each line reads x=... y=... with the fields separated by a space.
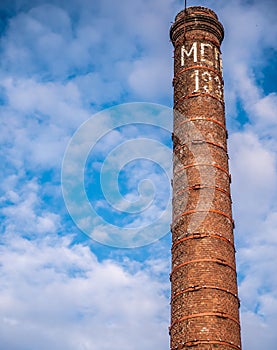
x=149 y=78
x=38 y=121
x=26 y=214
x=70 y=300
x=265 y=114
x=254 y=176
x=256 y=333
x=258 y=292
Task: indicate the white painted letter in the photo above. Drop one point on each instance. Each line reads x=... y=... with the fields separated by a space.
x=219 y=87
x=196 y=75
x=202 y=52
x=208 y=88
x=184 y=51
x=218 y=60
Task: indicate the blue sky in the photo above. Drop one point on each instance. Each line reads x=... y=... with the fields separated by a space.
x=62 y=62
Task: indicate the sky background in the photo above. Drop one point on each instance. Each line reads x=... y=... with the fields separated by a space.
x=61 y=61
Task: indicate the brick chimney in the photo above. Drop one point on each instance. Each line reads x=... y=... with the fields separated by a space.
x=204 y=296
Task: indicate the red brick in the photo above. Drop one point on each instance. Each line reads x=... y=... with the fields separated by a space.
x=204 y=300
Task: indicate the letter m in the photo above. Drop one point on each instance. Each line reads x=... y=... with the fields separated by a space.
x=184 y=51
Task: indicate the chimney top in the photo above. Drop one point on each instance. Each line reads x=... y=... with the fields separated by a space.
x=196 y=10
x=196 y=18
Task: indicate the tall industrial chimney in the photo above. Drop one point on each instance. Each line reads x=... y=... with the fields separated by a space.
x=204 y=300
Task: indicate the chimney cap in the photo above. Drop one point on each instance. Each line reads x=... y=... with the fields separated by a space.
x=196 y=18
x=197 y=9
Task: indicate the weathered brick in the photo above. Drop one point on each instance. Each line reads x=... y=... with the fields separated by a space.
x=204 y=300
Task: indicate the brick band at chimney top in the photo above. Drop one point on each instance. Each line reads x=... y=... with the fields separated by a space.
x=204 y=297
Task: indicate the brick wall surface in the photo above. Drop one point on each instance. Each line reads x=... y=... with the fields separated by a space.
x=204 y=300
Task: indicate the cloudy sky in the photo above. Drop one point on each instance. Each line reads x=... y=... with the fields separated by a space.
x=61 y=62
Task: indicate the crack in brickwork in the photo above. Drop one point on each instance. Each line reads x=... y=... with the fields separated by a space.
x=204 y=296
